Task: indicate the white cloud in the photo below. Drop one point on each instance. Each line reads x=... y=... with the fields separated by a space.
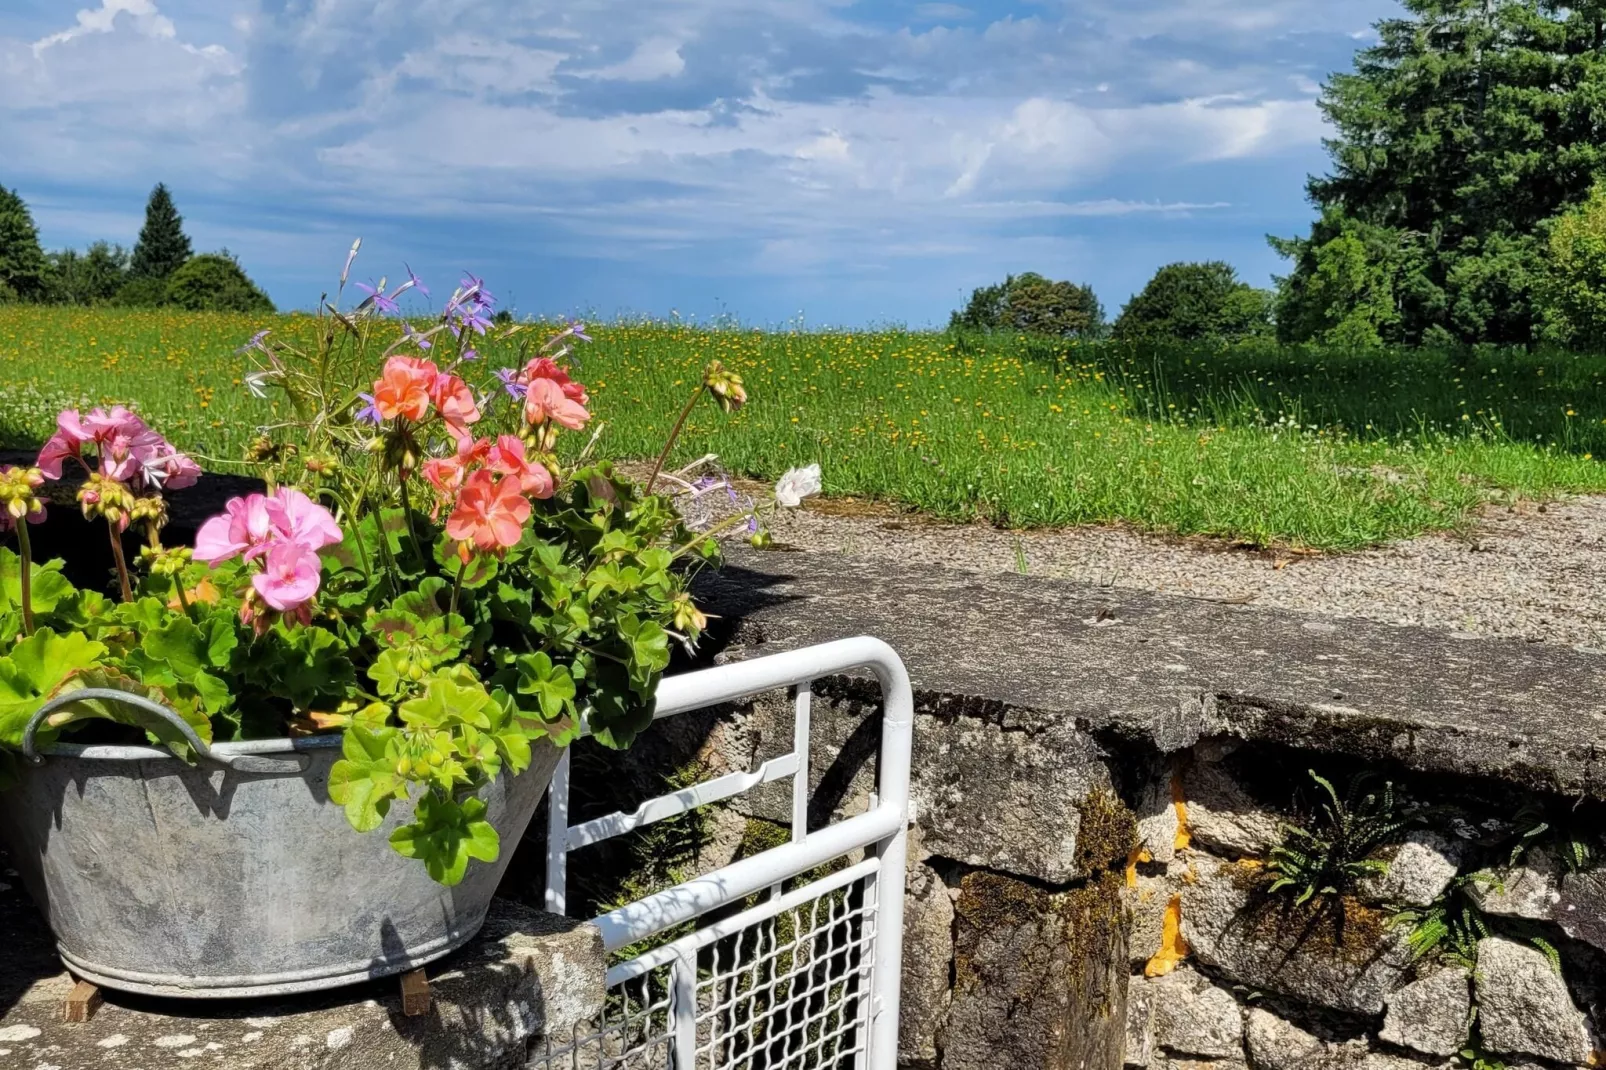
x=142 y=13
x=655 y=58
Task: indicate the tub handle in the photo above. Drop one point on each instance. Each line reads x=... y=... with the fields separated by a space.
x=246 y=763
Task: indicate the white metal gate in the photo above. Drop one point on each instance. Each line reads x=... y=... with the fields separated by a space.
x=805 y=976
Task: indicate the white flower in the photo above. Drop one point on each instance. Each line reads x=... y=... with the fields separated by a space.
x=255 y=381
x=797 y=484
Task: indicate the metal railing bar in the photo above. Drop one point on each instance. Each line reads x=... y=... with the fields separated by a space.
x=737 y=922
x=667 y=806
x=738 y=880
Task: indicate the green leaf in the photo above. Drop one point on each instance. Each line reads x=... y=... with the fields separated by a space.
x=551 y=685
x=48 y=587
x=33 y=670
x=365 y=780
x=158 y=729
x=445 y=835
x=451 y=696
x=180 y=644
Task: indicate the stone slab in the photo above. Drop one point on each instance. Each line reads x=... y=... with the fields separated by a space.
x=1165 y=670
x=528 y=975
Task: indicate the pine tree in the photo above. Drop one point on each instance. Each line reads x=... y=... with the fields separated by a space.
x=163 y=246
x=24 y=272
x=1469 y=126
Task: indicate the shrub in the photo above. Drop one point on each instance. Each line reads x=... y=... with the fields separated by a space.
x=141 y=291
x=1574 y=282
x=1202 y=302
x=214 y=282
x=1032 y=304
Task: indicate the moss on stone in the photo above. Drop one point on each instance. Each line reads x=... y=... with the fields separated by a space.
x=1107 y=833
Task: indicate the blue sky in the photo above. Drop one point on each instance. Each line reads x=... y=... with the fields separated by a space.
x=853 y=162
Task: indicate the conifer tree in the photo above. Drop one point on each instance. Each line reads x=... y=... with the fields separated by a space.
x=163 y=247
x=24 y=272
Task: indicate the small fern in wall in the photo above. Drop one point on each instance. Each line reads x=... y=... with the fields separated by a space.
x=1336 y=851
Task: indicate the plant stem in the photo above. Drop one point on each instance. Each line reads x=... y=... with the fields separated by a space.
x=25 y=562
x=715 y=531
x=183 y=599
x=407 y=514
x=674 y=433
x=462 y=567
x=117 y=556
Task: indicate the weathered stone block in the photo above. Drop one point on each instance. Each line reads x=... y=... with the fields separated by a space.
x=1420 y=869
x=1339 y=954
x=1222 y=816
x=928 y=943
x=1158 y=817
x=1194 y=1017
x=1524 y=1007
x=1431 y=1014
x=1581 y=908
x=1029 y=780
x=1139 y=1023
x=527 y=976
x=1040 y=977
x=1276 y=1044
x=1531 y=890
x=1149 y=899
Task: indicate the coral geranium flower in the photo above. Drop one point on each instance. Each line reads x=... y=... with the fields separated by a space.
x=490 y=513
x=547 y=401
x=507 y=458
x=403 y=388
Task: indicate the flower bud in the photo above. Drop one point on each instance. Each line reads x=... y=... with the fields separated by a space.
x=725 y=385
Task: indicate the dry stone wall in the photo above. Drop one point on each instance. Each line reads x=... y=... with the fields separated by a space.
x=1104 y=783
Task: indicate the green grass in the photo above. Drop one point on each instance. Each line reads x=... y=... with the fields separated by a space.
x=1322 y=449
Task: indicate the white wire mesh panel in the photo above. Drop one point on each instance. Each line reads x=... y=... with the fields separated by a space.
x=635 y=1032
x=790 y=991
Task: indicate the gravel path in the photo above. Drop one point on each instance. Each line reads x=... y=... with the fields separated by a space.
x=1531 y=571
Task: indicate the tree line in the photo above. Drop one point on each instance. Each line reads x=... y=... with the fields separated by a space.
x=1466 y=202
x=161 y=269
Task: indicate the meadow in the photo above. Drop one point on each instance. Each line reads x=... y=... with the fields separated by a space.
x=1319 y=449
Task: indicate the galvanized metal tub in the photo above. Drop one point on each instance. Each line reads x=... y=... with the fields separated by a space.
x=236 y=876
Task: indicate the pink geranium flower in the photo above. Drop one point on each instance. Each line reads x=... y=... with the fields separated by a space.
x=546 y=400
x=244 y=527
x=289 y=577
x=490 y=513
x=301 y=520
x=455 y=402
x=285 y=532
x=127 y=450
x=507 y=458
x=68 y=441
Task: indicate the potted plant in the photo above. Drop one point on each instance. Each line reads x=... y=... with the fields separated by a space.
x=439 y=580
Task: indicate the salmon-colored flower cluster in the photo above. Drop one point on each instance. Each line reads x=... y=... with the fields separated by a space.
x=551 y=396
x=489 y=484
x=409 y=387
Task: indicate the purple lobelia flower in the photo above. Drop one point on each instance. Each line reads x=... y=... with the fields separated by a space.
x=418 y=338
x=469 y=316
x=376 y=297
x=369 y=413
x=415 y=282
x=475 y=288
x=510 y=382
x=254 y=342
